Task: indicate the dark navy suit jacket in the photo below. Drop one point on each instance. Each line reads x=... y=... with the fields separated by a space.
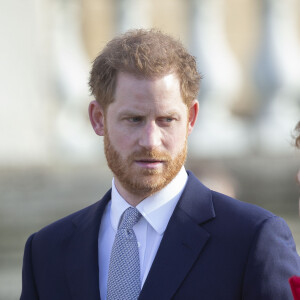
x=214 y=248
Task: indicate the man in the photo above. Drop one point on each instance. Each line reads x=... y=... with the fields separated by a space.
x=297 y=144
x=184 y=241
x=295 y=280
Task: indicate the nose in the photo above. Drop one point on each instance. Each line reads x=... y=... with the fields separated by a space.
x=150 y=137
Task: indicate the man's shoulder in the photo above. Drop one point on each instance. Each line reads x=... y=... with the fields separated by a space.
x=234 y=220
x=237 y=210
x=227 y=207
x=63 y=227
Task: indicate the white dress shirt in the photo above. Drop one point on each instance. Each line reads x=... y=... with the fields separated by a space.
x=156 y=212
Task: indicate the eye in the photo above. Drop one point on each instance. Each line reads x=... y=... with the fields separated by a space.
x=166 y=119
x=134 y=119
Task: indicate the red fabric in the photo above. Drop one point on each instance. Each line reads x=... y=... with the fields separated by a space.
x=295 y=286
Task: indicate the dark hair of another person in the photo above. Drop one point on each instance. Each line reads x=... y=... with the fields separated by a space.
x=297 y=135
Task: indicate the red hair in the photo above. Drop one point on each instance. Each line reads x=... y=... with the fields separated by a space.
x=147 y=54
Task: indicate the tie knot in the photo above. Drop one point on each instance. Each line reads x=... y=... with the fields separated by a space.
x=130 y=217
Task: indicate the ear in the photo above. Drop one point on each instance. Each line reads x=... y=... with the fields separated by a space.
x=193 y=113
x=96 y=114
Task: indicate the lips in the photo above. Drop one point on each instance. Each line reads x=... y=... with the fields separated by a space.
x=149 y=159
x=149 y=163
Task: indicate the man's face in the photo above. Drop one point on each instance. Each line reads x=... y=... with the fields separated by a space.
x=145 y=133
x=298 y=180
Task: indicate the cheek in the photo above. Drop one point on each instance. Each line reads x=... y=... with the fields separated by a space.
x=122 y=142
x=118 y=139
x=175 y=142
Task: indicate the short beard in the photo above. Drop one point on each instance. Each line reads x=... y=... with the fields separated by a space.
x=148 y=181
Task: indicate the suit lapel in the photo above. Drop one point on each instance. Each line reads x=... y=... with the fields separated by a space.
x=182 y=243
x=82 y=260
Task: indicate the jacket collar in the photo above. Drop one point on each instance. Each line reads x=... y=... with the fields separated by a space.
x=82 y=252
x=183 y=241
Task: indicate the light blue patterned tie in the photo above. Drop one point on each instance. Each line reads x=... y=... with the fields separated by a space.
x=124 y=268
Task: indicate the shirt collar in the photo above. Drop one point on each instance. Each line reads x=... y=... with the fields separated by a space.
x=157 y=208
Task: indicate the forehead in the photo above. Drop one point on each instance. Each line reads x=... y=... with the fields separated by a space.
x=163 y=90
x=139 y=95
x=125 y=78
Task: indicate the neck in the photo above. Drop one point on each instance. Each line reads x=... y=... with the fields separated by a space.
x=132 y=198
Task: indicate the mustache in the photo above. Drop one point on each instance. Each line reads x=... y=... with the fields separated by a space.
x=149 y=154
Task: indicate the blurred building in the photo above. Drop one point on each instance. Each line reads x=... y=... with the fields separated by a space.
x=248 y=53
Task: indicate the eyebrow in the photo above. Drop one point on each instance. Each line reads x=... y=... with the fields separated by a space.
x=140 y=113
x=171 y=113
